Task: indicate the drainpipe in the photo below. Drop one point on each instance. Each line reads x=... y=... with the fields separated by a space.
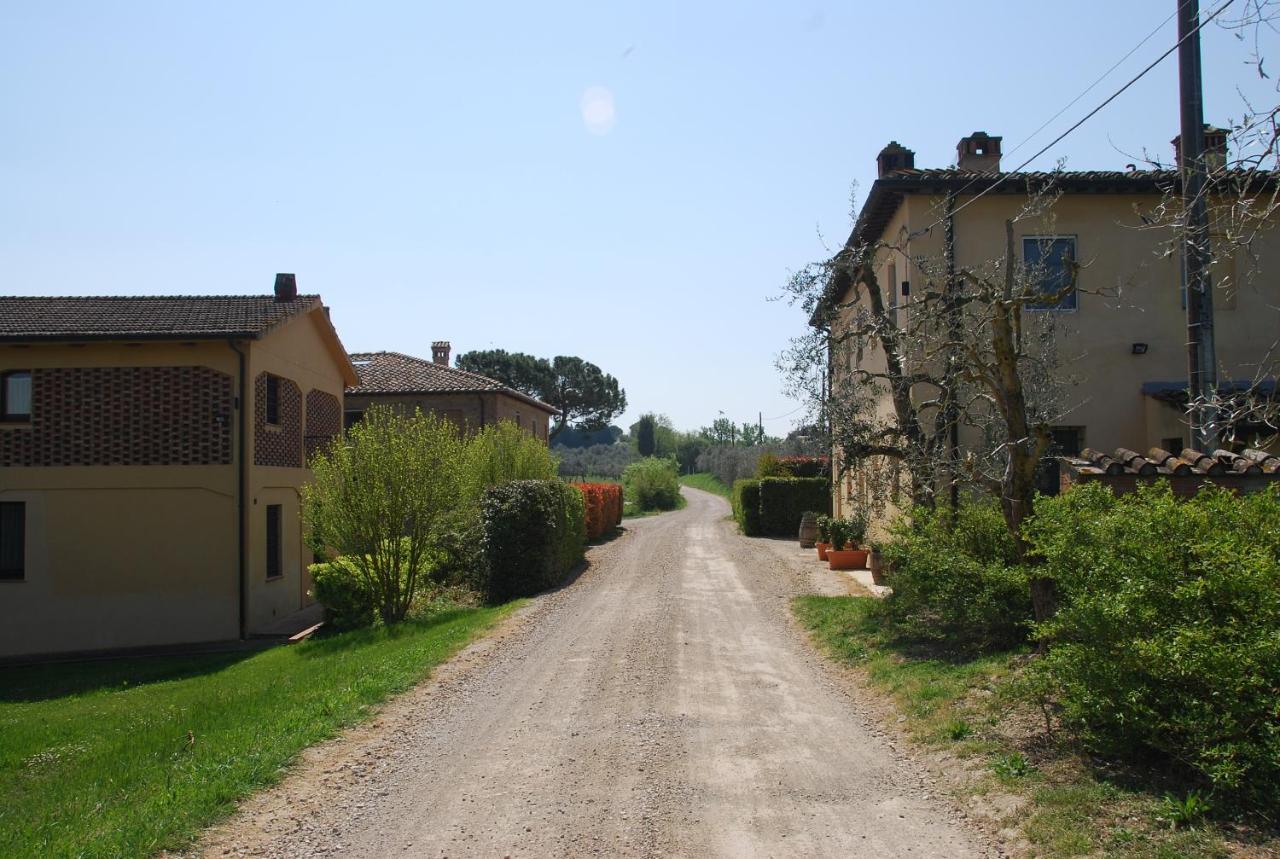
x=241 y=482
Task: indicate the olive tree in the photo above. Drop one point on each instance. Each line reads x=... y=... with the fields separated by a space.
x=378 y=497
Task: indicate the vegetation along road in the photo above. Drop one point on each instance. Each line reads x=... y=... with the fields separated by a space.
x=662 y=704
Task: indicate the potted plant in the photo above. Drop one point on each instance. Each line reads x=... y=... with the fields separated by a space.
x=824 y=536
x=845 y=533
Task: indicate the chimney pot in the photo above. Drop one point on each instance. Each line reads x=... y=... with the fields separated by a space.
x=440 y=352
x=979 y=152
x=286 y=287
x=1215 y=148
x=894 y=157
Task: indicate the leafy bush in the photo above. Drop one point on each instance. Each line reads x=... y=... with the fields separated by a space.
x=603 y=503
x=338 y=586
x=378 y=497
x=957 y=585
x=783 y=500
x=1166 y=641
x=502 y=452
x=746 y=506
x=768 y=465
x=806 y=466
x=534 y=532
x=731 y=463
x=652 y=484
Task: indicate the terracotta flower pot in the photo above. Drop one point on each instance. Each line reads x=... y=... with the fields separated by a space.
x=847 y=559
x=822 y=550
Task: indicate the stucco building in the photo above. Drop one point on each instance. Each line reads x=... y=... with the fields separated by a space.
x=468 y=399
x=151 y=456
x=1120 y=328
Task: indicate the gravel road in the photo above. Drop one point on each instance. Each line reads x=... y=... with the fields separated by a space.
x=662 y=704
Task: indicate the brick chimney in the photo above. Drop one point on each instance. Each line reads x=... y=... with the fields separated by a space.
x=894 y=157
x=979 y=152
x=286 y=287
x=440 y=352
x=1215 y=148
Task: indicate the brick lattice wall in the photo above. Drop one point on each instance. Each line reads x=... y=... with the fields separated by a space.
x=124 y=416
x=281 y=444
x=324 y=420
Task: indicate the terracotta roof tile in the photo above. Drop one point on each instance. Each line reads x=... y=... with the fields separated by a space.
x=395 y=373
x=145 y=317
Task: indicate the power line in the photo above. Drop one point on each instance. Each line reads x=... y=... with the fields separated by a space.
x=1003 y=176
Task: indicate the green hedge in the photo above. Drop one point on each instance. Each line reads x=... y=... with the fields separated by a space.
x=534 y=534
x=746 y=506
x=783 y=500
x=1168 y=637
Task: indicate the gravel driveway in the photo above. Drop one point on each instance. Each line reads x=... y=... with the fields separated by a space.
x=662 y=704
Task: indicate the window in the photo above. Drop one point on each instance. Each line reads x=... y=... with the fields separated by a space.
x=273 y=400
x=15 y=395
x=1050 y=264
x=1067 y=441
x=13 y=540
x=351 y=417
x=275 y=562
x=1173 y=445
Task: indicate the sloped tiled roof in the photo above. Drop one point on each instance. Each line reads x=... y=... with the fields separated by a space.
x=188 y=317
x=395 y=373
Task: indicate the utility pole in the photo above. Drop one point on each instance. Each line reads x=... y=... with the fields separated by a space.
x=759 y=427
x=1202 y=364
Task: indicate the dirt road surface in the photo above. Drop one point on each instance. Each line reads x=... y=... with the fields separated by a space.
x=663 y=704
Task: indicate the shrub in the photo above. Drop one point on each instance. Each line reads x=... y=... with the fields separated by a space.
x=534 y=532
x=603 y=502
x=378 y=497
x=1166 y=641
x=501 y=452
x=955 y=584
x=746 y=506
x=806 y=466
x=338 y=586
x=768 y=465
x=783 y=500
x=652 y=484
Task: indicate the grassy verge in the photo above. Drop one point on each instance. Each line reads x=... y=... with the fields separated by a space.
x=1072 y=807
x=131 y=756
x=707 y=483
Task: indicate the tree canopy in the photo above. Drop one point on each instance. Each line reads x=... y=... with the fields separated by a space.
x=586 y=396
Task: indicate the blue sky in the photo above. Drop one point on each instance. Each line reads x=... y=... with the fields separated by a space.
x=456 y=172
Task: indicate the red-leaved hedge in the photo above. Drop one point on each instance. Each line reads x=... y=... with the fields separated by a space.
x=604 y=507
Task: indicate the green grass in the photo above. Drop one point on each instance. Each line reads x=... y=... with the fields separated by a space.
x=956 y=706
x=131 y=756
x=707 y=483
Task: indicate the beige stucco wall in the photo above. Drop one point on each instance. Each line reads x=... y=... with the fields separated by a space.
x=133 y=556
x=296 y=351
x=1128 y=293
x=121 y=556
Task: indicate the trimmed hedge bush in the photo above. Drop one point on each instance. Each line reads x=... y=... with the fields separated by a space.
x=534 y=534
x=1167 y=641
x=746 y=506
x=348 y=601
x=783 y=500
x=956 y=585
x=603 y=502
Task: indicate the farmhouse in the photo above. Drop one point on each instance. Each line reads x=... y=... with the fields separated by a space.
x=151 y=455
x=468 y=399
